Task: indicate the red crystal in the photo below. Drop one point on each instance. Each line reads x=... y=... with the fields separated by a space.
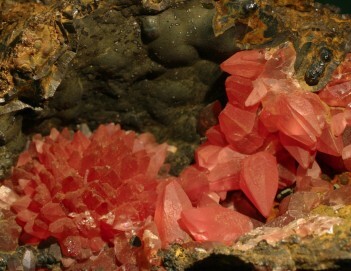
x=259 y=180
x=222 y=167
x=194 y=182
x=275 y=76
x=215 y=223
x=247 y=64
x=82 y=189
x=171 y=202
x=294 y=115
x=215 y=136
x=241 y=129
x=302 y=154
x=207 y=155
x=235 y=97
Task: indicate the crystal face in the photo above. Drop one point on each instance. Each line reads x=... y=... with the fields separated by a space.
x=259 y=180
x=222 y=225
x=171 y=203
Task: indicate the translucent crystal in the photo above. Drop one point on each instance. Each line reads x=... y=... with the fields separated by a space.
x=247 y=64
x=215 y=223
x=29 y=260
x=171 y=202
x=83 y=190
x=259 y=180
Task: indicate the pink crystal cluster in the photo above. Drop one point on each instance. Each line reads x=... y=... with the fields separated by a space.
x=267 y=139
x=270 y=131
x=86 y=191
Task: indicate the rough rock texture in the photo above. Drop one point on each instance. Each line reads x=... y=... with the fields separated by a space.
x=321 y=44
x=29 y=258
x=12 y=140
x=323 y=251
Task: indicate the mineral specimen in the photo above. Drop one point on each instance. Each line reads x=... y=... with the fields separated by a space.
x=86 y=191
x=96 y=192
x=270 y=136
x=269 y=127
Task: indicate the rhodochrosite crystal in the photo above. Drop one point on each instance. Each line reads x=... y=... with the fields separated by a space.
x=259 y=180
x=215 y=223
x=270 y=131
x=87 y=191
x=172 y=201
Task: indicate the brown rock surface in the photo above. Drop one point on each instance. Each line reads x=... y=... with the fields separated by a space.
x=321 y=250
